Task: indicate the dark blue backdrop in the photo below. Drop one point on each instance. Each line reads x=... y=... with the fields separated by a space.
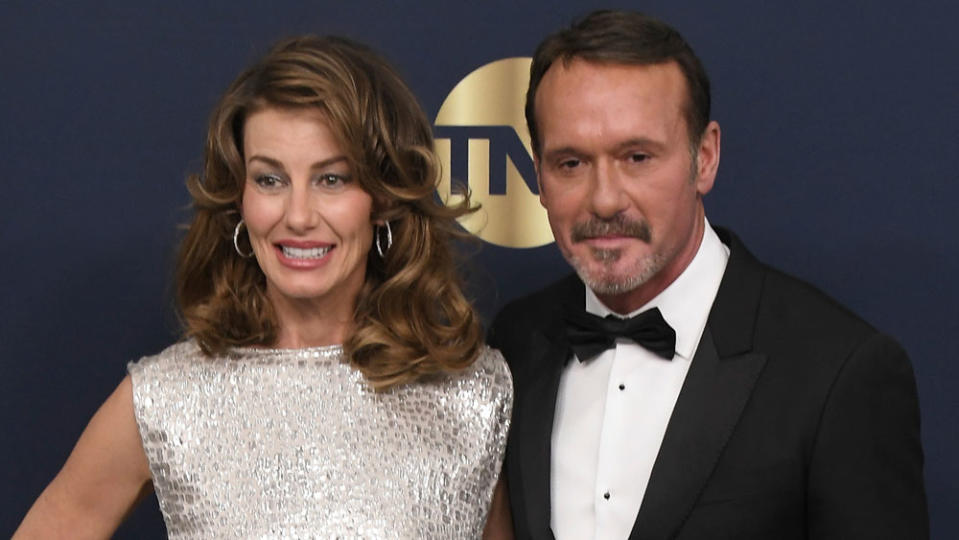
x=838 y=165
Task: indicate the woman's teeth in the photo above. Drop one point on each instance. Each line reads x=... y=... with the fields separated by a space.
x=305 y=253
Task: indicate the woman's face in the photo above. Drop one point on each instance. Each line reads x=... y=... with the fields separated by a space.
x=308 y=219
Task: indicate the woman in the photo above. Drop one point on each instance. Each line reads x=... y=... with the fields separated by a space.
x=333 y=381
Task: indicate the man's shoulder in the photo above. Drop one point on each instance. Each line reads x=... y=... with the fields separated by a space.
x=793 y=315
x=544 y=304
x=764 y=307
x=536 y=311
x=805 y=295
x=793 y=306
x=780 y=292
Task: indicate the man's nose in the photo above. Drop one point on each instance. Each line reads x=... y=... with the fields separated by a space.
x=607 y=198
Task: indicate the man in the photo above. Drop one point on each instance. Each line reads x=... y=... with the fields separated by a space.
x=738 y=402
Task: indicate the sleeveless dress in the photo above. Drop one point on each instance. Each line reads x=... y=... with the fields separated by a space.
x=293 y=443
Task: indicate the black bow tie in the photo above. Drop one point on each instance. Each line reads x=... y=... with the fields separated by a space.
x=590 y=335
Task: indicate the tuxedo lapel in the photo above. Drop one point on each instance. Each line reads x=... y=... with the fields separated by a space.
x=533 y=426
x=720 y=380
x=712 y=399
x=535 y=431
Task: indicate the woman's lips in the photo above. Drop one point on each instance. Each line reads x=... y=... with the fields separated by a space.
x=303 y=255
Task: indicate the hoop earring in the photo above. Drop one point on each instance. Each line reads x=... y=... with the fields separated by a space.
x=389 y=239
x=236 y=242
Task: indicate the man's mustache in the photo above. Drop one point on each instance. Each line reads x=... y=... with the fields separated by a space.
x=617 y=226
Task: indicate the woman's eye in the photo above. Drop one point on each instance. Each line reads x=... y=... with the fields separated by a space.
x=268 y=180
x=332 y=180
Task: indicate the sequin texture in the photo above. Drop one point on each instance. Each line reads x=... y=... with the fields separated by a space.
x=294 y=444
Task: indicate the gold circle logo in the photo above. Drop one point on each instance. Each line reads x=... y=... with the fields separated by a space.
x=481 y=137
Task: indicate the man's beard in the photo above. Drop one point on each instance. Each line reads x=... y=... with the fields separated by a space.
x=605 y=281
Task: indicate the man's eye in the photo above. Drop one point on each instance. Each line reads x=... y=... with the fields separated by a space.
x=638 y=157
x=571 y=163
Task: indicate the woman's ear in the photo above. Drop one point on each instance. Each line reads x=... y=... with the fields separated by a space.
x=383 y=212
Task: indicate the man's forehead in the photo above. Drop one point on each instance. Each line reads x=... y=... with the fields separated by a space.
x=583 y=68
x=602 y=88
x=608 y=92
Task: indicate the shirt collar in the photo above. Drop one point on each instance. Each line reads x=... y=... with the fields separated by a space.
x=686 y=302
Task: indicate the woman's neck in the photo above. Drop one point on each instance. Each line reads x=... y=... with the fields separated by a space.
x=306 y=324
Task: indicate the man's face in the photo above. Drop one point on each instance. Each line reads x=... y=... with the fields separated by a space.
x=617 y=175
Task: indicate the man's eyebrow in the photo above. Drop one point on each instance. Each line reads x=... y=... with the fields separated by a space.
x=642 y=142
x=552 y=153
x=636 y=142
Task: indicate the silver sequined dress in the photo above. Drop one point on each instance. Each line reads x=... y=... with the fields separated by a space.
x=294 y=444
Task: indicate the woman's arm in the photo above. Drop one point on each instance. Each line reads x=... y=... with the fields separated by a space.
x=499 y=522
x=105 y=476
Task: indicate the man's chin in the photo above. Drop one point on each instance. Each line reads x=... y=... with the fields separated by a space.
x=604 y=281
x=618 y=277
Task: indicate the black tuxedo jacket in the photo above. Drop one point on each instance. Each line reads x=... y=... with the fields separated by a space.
x=796 y=419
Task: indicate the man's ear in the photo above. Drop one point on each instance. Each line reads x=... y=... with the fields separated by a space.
x=539 y=179
x=707 y=158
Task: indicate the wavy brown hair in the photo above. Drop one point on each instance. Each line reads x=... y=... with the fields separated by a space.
x=411 y=319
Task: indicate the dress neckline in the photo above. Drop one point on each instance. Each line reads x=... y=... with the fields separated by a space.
x=324 y=351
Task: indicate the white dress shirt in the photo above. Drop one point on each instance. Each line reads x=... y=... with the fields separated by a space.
x=612 y=411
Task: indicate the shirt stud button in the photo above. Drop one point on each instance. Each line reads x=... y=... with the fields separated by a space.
x=606 y=495
x=622 y=387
